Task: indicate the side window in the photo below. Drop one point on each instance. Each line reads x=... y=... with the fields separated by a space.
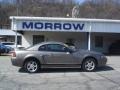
x=42 y=48
x=70 y=42
x=56 y=48
x=99 y=41
x=38 y=39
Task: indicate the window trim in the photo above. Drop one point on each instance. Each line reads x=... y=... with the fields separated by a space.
x=41 y=46
x=51 y=50
x=96 y=40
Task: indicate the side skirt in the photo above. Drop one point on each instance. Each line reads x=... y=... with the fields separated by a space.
x=61 y=66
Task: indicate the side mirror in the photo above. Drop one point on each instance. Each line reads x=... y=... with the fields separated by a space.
x=68 y=50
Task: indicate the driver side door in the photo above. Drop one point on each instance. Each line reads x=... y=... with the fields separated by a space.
x=59 y=56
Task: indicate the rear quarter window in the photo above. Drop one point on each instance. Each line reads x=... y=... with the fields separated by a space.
x=42 y=48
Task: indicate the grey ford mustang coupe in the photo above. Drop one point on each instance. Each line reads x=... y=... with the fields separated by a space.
x=56 y=55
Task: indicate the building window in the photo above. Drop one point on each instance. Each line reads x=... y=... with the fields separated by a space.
x=99 y=41
x=6 y=26
x=19 y=38
x=70 y=41
x=38 y=39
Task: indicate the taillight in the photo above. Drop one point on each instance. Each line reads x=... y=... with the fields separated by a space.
x=13 y=54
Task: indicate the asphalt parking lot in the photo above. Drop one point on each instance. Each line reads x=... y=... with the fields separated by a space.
x=105 y=78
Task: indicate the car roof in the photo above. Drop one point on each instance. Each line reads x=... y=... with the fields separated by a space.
x=51 y=42
x=46 y=42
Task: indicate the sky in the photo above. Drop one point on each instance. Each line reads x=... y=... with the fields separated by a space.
x=80 y=1
x=77 y=1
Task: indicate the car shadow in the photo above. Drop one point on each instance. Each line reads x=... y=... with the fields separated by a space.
x=62 y=70
x=104 y=68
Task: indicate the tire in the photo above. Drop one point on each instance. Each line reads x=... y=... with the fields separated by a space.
x=31 y=66
x=89 y=64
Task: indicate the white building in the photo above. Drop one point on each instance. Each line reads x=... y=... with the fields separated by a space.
x=91 y=34
x=7 y=35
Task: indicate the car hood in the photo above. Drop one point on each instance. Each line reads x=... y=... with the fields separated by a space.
x=88 y=52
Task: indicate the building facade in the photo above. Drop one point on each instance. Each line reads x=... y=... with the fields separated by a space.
x=91 y=34
x=7 y=35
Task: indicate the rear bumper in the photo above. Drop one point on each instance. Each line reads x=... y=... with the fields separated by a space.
x=16 y=62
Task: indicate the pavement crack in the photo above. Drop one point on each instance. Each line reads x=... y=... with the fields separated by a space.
x=108 y=79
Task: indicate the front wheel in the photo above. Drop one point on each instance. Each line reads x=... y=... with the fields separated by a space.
x=31 y=66
x=89 y=65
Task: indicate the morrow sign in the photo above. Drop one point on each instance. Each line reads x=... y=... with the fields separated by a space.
x=55 y=26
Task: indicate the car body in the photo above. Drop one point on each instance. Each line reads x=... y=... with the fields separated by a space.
x=4 y=49
x=11 y=44
x=56 y=55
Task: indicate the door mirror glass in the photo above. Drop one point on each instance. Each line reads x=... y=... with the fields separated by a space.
x=72 y=48
x=68 y=50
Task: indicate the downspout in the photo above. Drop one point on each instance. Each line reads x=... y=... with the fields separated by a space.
x=14 y=29
x=89 y=36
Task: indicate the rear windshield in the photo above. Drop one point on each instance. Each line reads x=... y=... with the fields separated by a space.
x=31 y=46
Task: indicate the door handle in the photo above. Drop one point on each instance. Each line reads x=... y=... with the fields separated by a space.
x=45 y=55
x=48 y=55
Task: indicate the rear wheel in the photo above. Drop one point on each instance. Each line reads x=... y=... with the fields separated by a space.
x=89 y=65
x=32 y=66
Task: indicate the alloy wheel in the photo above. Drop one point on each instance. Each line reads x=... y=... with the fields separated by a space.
x=89 y=65
x=32 y=66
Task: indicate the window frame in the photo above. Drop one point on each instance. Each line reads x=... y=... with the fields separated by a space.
x=99 y=41
x=38 y=39
x=41 y=46
x=66 y=48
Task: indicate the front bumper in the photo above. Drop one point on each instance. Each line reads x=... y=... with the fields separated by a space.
x=102 y=61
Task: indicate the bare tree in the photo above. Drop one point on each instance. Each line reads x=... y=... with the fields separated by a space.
x=100 y=9
x=60 y=8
